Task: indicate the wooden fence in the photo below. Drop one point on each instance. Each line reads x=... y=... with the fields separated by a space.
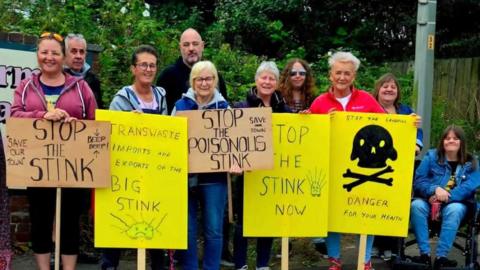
x=456 y=82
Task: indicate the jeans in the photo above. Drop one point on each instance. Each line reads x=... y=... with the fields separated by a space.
x=240 y=243
x=212 y=199
x=452 y=215
x=333 y=246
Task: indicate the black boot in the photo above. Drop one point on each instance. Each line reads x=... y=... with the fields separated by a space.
x=443 y=262
x=423 y=259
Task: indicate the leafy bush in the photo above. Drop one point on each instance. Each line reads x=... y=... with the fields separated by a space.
x=119 y=26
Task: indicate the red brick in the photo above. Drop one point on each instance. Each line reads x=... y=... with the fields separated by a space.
x=13 y=228
x=23 y=228
x=27 y=39
x=15 y=37
x=18 y=203
x=21 y=237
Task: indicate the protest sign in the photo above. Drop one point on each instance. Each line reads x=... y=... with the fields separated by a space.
x=372 y=158
x=16 y=64
x=43 y=153
x=292 y=198
x=146 y=205
x=217 y=139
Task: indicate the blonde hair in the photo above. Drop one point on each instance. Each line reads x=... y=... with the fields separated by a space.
x=201 y=66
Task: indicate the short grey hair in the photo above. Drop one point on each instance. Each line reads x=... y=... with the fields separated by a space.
x=344 y=57
x=78 y=37
x=268 y=66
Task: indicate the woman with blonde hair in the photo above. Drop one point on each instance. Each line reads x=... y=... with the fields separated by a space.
x=207 y=190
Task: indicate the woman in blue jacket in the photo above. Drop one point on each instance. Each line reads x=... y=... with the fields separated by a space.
x=209 y=190
x=448 y=175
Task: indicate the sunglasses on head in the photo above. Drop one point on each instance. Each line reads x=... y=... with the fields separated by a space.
x=51 y=35
x=297 y=72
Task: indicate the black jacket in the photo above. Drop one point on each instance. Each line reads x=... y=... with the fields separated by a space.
x=175 y=80
x=277 y=102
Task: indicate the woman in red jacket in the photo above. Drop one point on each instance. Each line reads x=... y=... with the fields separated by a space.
x=56 y=96
x=343 y=96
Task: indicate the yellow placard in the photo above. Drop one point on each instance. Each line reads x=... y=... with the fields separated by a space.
x=292 y=199
x=371 y=170
x=146 y=206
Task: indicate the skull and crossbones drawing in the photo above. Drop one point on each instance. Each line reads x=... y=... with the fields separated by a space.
x=372 y=145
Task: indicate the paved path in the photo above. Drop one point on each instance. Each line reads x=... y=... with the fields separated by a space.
x=303 y=257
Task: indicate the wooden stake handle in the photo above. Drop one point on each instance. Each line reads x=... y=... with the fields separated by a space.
x=58 y=205
x=141 y=259
x=361 y=251
x=285 y=252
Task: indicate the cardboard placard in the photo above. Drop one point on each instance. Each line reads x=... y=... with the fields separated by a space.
x=292 y=199
x=43 y=153
x=146 y=205
x=372 y=159
x=217 y=139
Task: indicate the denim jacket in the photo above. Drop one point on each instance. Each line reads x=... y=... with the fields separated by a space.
x=432 y=174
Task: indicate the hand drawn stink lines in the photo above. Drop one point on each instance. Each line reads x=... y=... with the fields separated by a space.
x=317 y=182
x=139 y=229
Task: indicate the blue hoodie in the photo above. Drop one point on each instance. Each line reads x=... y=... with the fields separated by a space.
x=188 y=102
x=126 y=100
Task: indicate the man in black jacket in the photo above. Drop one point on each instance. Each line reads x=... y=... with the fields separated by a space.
x=174 y=78
x=75 y=54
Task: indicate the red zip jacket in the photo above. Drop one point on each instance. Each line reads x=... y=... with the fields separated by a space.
x=76 y=98
x=360 y=101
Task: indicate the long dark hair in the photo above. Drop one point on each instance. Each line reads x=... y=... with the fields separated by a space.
x=308 y=87
x=462 y=155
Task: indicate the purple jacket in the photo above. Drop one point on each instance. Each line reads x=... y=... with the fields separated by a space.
x=76 y=98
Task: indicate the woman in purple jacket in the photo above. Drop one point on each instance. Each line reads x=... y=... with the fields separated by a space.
x=56 y=96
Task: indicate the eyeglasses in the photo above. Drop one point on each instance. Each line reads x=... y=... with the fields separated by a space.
x=294 y=72
x=51 y=35
x=145 y=66
x=208 y=79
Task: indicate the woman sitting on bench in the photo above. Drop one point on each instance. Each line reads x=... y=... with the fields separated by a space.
x=445 y=180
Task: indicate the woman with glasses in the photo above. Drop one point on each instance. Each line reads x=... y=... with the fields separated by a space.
x=143 y=97
x=209 y=190
x=297 y=84
x=57 y=96
x=263 y=94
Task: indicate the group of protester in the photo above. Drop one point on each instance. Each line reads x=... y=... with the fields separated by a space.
x=66 y=90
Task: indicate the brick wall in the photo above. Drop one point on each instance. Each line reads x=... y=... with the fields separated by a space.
x=19 y=219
